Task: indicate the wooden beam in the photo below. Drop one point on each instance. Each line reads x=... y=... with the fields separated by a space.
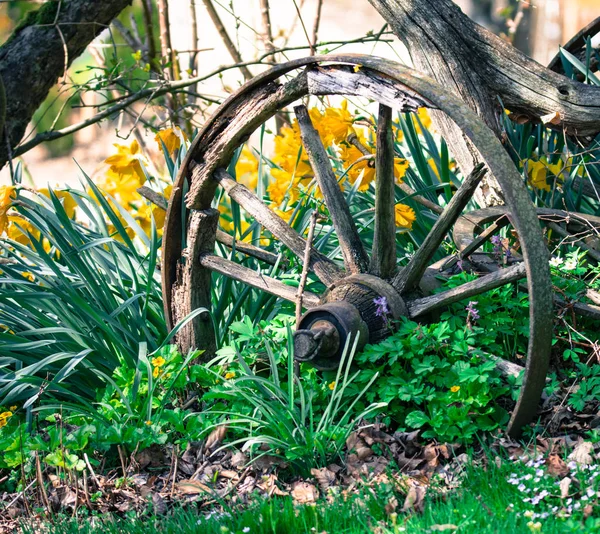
x=257 y=280
x=355 y=257
x=383 y=255
x=323 y=267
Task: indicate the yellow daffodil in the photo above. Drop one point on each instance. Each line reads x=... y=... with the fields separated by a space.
x=455 y=389
x=65 y=197
x=171 y=138
x=6 y=198
x=425 y=119
x=537 y=173
x=128 y=161
x=400 y=168
x=399 y=136
x=159 y=361
x=286 y=215
x=405 y=216
x=338 y=122
x=4 y=417
x=246 y=168
x=19 y=229
x=28 y=276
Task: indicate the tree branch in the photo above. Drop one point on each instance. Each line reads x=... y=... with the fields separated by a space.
x=34 y=57
x=486 y=72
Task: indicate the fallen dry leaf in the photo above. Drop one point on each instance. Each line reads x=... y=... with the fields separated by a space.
x=582 y=454
x=239 y=460
x=391 y=506
x=191 y=487
x=269 y=486
x=414 y=499
x=215 y=438
x=324 y=476
x=443 y=528
x=303 y=492
x=565 y=484
x=556 y=466
x=228 y=473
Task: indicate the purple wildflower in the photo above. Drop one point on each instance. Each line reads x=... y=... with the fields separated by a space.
x=459 y=264
x=496 y=240
x=382 y=310
x=382 y=306
x=472 y=310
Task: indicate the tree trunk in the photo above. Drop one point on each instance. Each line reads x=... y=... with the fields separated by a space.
x=488 y=74
x=33 y=58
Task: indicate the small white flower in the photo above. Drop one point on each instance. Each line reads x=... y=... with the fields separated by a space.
x=528 y=477
x=246 y=529
x=556 y=261
x=570 y=265
x=590 y=492
x=577 y=506
x=539 y=473
x=521 y=487
x=572 y=465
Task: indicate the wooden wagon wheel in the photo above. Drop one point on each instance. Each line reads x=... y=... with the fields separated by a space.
x=190 y=230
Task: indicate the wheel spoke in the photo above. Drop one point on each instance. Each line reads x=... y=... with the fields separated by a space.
x=383 y=255
x=246 y=248
x=323 y=267
x=255 y=279
x=355 y=257
x=467 y=250
x=425 y=305
x=408 y=277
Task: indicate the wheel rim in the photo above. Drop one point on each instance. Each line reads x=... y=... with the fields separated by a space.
x=392 y=85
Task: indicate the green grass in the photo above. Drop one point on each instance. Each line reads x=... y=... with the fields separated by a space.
x=485 y=503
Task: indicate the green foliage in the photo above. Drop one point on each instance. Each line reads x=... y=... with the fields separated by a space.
x=281 y=416
x=77 y=299
x=432 y=379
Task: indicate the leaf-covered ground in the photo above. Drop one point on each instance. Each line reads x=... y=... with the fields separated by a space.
x=387 y=483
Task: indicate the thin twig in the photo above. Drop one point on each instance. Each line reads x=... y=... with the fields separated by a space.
x=266 y=22
x=174 y=470
x=155 y=92
x=195 y=48
x=231 y=48
x=316 y=27
x=89 y=466
x=305 y=266
x=150 y=42
x=40 y=481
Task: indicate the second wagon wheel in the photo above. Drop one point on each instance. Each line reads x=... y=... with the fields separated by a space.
x=347 y=304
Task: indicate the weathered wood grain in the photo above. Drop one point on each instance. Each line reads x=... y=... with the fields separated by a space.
x=322 y=266
x=483 y=69
x=192 y=290
x=383 y=254
x=355 y=257
x=252 y=278
x=422 y=306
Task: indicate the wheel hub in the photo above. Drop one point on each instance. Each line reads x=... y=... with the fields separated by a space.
x=359 y=304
